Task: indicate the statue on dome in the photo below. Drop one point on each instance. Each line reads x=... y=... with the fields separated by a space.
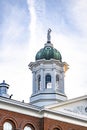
x=48 y=35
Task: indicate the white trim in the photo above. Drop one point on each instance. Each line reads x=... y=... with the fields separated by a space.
x=19 y=107
x=65 y=118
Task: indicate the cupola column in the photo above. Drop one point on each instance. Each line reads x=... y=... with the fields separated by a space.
x=62 y=82
x=53 y=78
x=34 y=82
x=42 y=79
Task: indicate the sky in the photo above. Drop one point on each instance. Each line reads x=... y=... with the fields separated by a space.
x=23 y=31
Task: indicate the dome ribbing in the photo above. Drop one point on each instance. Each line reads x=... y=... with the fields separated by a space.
x=48 y=53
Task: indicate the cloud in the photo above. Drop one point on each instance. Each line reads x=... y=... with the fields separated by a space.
x=75 y=16
x=12 y=27
x=14 y=30
x=79 y=12
x=14 y=48
x=37 y=11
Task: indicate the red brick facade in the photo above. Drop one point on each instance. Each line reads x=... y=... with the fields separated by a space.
x=19 y=121
x=50 y=124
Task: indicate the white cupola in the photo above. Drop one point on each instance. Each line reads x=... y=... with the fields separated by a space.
x=48 y=75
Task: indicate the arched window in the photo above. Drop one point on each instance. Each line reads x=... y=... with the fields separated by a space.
x=7 y=126
x=57 y=81
x=56 y=129
x=27 y=128
x=48 y=81
x=39 y=82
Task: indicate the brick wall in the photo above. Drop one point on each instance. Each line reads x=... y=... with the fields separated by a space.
x=50 y=124
x=19 y=120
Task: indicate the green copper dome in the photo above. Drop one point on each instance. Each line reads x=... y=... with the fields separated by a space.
x=48 y=52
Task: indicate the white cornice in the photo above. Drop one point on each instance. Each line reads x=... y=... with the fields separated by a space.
x=43 y=61
x=61 y=116
x=19 y=107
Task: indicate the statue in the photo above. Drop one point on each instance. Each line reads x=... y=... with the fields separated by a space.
x=48 y=35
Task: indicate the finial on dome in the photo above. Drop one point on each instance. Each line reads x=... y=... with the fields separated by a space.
x=49 y=36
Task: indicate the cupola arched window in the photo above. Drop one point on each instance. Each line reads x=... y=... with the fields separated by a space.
x=57 y=81
x=39 y=82
x=48 y=81
x=7 y=126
